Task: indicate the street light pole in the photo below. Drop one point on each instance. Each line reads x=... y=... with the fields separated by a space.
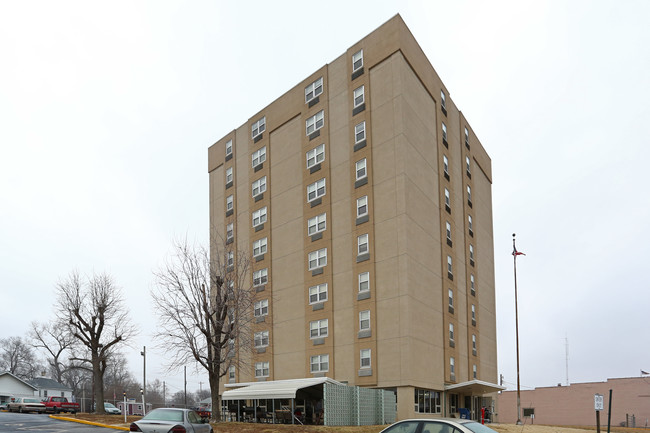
x=514 y=256
x=144 y=377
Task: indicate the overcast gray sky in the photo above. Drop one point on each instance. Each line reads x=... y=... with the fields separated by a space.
x=107 y=110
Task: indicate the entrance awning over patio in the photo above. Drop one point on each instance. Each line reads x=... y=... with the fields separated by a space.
x=474 y=387
x=275 y=389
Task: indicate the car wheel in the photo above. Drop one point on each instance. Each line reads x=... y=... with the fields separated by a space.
x=20 y=409
x=56 y=411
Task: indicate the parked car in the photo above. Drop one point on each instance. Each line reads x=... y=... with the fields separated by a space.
x=60 y=404
x=3 y=405
x=26 y=404
x=441 y=425
x=111 y=409
x=171 y=419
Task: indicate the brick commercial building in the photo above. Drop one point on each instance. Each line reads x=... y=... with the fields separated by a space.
x=574 y=404
x=364 y=198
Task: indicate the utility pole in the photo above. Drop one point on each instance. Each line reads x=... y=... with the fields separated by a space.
x=164 y=395
x=185 y=385
x=144 y=378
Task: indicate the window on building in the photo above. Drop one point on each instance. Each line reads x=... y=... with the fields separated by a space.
x=365 y=358
x=471 y=285
x=229 y=175
x=316 y=156
x=473 y=314
x=316 y=224
x=474 y=344
x=228 y=147
x=469 y=194
x=444 y=131
x=230 y=232
x=262 y=369
x=230 y=257
x=258 y=127
x=357 y=60
x=259 y=186
x=427 y=401
x=466 y=137
x=364 y=282
x=471 y=254
x=262 y=339
x=470 y=225
x=318 y=328
x=361 y=169
x=231 y=344
x=231 y=372
x=259 y=216
x=360 y=132
x=447 y=198
x=319 y=363
x=318 y=293
x=230 y=202
x=260 y=277
x=318 y=259
x=449 y=266
x=315 y=122
x=362 y=206
x=445 y=164
x=316 y=190
x=451 y=298
x=468 y=165
x=451 y=332
x=314 y=89
x=448 y=230
x=364 y=320
x=261 y=308
x=452 y=368
x=259 y=247
x=359 y=97
x=259 y=156
x=474 y=371
x=362 y=244
x=443 y=100
x=453 y=403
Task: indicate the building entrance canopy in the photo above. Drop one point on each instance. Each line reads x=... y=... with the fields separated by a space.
x=474 y=387
x=276 y=389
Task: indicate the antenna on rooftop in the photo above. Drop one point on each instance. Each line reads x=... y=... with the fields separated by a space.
x=566 y=349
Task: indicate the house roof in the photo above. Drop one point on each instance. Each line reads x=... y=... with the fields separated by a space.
x=18 y=379
x=46 y=383
x=272 y=389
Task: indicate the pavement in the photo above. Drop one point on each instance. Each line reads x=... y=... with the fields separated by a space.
x=83 y=421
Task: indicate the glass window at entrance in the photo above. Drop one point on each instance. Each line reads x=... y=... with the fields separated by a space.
x=427 y=401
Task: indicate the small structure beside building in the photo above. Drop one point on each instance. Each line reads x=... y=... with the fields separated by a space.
x=574 y=404
x=132 y=406
x=318 y=400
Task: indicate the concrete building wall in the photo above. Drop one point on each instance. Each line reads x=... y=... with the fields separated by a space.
x=574 y=404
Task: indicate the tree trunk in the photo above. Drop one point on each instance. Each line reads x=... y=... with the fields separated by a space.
x=98 y=380
x=214 y=380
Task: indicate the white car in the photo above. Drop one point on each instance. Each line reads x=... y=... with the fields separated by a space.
x=111 y=409
x=439 y=425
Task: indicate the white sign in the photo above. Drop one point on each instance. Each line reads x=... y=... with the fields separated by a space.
x=598 y=401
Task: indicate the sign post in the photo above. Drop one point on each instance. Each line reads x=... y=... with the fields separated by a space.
x=598 y=406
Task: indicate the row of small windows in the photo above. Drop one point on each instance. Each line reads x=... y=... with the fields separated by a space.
x=317 y=364
x=445 y=166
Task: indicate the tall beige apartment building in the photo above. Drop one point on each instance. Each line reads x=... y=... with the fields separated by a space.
x=364 y=197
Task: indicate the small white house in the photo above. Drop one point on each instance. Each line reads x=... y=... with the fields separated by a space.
x=51 y=388
x=12 y=386
x=133 y=407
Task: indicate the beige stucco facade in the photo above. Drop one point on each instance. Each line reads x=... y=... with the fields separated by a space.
x=387 y=284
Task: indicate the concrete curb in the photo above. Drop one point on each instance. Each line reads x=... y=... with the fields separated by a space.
x=83 y=421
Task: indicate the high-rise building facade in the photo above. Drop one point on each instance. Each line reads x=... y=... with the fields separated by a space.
x=364 y=198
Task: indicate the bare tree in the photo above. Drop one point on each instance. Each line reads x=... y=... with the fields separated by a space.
x=18 y=358
x=55 y=341
x=204 y=307
x=94 y=313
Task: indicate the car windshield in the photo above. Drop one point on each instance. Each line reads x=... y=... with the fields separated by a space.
x=165 y=415
x=109 y=406
x=477 y=427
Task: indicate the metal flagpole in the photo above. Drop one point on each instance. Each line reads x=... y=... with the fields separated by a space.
x=514 y=256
